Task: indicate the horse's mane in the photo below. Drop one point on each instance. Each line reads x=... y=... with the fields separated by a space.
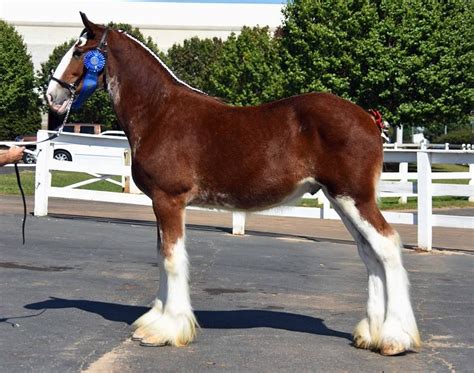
x=155 y=56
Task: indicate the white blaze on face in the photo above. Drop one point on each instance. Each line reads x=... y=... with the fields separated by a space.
x=57 y=96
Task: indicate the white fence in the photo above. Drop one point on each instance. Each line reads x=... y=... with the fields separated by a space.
x=392 y=184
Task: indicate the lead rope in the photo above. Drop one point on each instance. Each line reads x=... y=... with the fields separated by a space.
x=24 y=202
x=17 y=172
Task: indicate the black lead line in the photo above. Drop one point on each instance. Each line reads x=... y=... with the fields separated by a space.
x=24 y=201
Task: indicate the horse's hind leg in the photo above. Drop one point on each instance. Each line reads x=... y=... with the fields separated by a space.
x=381 y=250
x=367 y=332
x=171 y=319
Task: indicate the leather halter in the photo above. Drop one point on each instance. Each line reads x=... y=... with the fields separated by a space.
x=73 y=87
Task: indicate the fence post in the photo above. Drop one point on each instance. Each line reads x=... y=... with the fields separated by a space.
x=471 y=180
x=425 y=202
x=399 y=139
x=128 y=184
x=321 y=197
x=238 y=223
x=126 y=179
x=326 y=207
x=42 y=175
x=403 y=170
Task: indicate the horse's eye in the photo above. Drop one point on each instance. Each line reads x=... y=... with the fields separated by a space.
x=76 y=54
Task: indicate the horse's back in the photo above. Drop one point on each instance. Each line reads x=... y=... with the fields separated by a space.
x=259 y=155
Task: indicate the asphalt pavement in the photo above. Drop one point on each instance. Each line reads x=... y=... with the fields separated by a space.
x=265 y=303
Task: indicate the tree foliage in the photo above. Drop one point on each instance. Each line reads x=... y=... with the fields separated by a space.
x=459 y=136
x=248 y=70
x=19 y=104
x=319 y=44
x=410 y=58
x=192 y=61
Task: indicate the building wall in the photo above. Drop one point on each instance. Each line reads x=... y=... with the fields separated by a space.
x=46 y=24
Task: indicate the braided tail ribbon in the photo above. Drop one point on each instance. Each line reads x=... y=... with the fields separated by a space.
x=383 y=125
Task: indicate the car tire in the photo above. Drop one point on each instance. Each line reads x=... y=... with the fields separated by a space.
x=62 y=155
x=29 y=158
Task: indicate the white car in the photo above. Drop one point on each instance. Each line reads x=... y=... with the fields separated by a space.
x=106 y=147
x=112 y=133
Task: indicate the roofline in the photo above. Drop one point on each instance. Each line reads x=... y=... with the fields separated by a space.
x=141 y=27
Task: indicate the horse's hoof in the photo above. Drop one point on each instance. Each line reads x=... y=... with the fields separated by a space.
x=139 y=334
x=149 y=342
x=361 y=342
x=392 y=348
x=362 y=337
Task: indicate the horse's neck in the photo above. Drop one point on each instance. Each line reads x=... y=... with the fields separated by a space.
x=137 y=84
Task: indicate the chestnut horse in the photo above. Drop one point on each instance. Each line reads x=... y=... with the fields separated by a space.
x=190 y=148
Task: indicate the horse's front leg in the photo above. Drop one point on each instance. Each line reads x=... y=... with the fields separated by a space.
x=171 y=319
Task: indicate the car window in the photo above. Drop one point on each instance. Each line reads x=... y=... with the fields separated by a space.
x=68 y=129
x=87 y=129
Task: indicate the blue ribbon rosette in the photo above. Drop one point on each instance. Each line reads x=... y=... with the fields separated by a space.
x=94 y=62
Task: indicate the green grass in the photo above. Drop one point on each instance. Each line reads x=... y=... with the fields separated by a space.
x=8 y=183
x=438 y=167
x=391 y=203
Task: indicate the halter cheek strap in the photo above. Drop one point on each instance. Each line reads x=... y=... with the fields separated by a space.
x=94 y=63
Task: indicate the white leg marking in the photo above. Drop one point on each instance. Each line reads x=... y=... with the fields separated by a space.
x=156 y=311
x=176 y=325
x=399 y=331
x=367 y=332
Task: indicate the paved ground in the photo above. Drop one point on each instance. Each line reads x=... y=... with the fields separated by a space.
x=265 y=302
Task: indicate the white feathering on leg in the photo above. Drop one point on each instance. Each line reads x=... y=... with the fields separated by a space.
x=177 y=324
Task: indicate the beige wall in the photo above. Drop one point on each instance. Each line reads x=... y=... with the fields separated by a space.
x=46 y=24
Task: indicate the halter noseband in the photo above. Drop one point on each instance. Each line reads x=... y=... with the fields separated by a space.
x=94 y=63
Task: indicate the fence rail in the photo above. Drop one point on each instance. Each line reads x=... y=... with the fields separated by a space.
x=399 y=184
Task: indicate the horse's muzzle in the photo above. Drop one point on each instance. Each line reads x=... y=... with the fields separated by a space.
x=59 y=108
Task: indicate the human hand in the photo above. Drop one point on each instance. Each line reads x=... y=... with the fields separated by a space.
x=14 y=154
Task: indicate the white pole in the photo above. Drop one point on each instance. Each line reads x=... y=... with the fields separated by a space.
x=425 y=203
x=399 y=139
x=326 y=207
x=471 y=180
x=43 y=175
x=403 y=170
x=238 y=223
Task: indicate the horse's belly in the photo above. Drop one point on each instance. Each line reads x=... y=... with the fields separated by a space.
x=257 y=198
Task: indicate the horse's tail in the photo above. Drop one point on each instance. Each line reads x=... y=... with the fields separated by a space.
x=382 y=124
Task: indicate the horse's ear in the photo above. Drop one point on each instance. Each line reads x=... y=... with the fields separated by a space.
x=90 y=27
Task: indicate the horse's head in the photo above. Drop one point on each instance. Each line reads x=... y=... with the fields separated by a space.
x=79 y=69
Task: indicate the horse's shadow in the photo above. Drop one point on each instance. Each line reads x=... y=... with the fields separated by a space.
x=235 y=319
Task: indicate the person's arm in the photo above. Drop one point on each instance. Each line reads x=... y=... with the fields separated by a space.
x=13 y=155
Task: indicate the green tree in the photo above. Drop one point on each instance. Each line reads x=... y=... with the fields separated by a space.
x=423 y=74
x=192 y=61
x=248 y=71
x=319 y=43
x=19 y=103
x=98 y=108
x=412 y=59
